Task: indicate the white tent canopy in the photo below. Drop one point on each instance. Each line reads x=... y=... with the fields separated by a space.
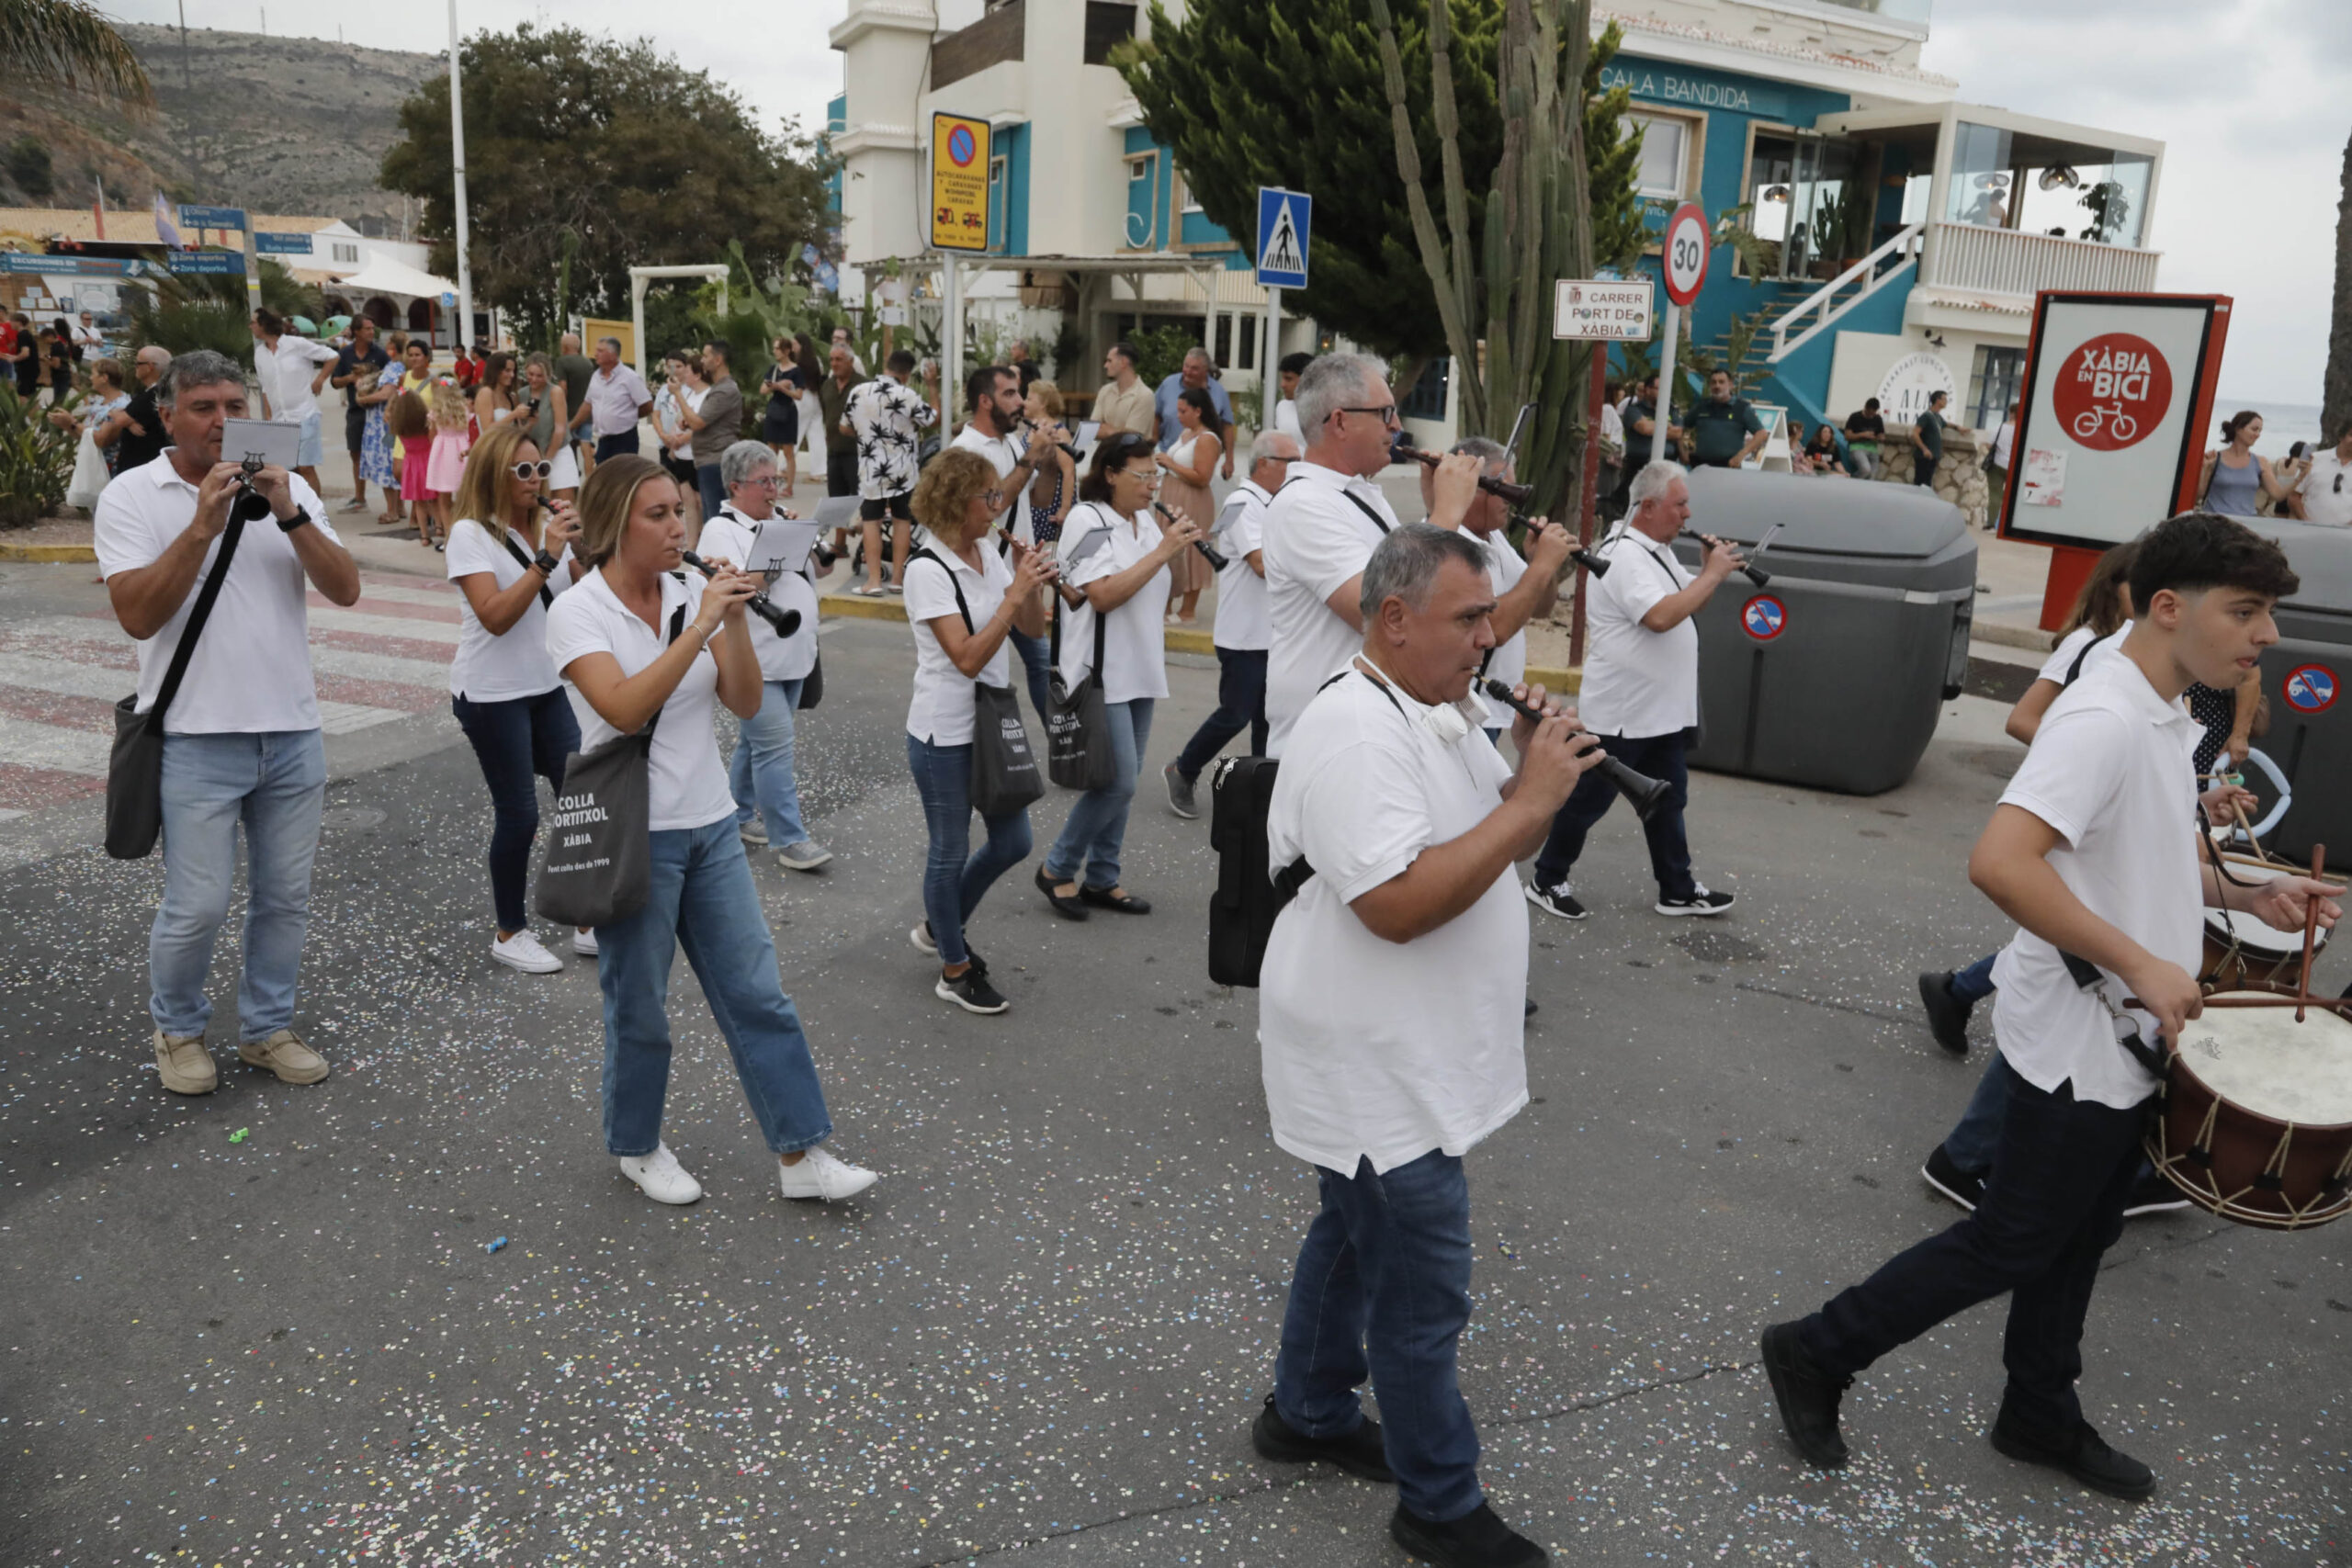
x=384 y=275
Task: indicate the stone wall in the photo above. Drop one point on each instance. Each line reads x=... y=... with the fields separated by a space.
x=1960 y=477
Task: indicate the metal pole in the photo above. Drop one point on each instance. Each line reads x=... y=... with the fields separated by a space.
x=252 y=269
x=1665 y=411
x=458 y=167
x=951 y=384
x=1269 y=381
x=1588 y=502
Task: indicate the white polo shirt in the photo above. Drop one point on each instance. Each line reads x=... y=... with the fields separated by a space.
x=2061 y=658
x=2328 y=490
x=1370 y=1048
x=941 y=710
x=687 y=783
x=2110 y=770
x=251 y=671
x=1508 y=664
x=1241 y=618
x=297 y=359
x=490 y=667
x=1003 y=455
x=1637 y=683
x=728 y=536
x=1316 y=538
x=1135 y=641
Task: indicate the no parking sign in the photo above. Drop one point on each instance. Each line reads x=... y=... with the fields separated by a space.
x=2311 y=688
x=1764 y=617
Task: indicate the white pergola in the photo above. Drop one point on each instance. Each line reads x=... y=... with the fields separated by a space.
x=641 y=276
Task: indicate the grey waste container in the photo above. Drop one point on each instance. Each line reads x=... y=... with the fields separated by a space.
x=2304 y=675
x=1833 y=674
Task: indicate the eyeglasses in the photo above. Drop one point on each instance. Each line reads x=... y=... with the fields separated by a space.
x=1388 y=412
x=993 y=497
x=764 y=481
x=538 y=470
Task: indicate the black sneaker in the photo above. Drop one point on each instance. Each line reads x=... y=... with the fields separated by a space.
x=1807 y=1398
x=1557 y=900
x=1359 y=1452
x=1700 y=902
x=1476 y=1539
x=2081 y=1453
x=1179 y=794
x=1954 y=1183
x=2152 y=1194
x=1947 y=1014
x=971 y=991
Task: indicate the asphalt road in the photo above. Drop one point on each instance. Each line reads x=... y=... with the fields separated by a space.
x=267 y=1327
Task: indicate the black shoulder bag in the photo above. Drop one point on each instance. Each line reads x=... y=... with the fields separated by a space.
x=135 y=770
x=596 y=858
x=1004 y=770
x=1078 y=730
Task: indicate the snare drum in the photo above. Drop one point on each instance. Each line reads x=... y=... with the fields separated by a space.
x=2242 y=954
x=2256 y=1124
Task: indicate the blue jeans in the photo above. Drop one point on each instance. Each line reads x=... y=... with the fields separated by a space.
x=703 y=900
x=714 y=493
x=1660 y=756
x=955 y=877
x=1382 y=1287
x=760 y=774
x=2060 y=1178
x=1240 y=705
x=612 y=446
x=1974 y=984
x=1036 y=657
x=1088 y=851
x=274 y=783
x=513 y=740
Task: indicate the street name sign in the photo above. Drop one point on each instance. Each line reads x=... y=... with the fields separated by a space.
x=1609 y=308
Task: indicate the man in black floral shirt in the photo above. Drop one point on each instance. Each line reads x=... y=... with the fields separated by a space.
x=887 y=420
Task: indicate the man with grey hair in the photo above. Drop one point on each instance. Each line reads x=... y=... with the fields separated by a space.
x=135 y=431
x=241 y=729
x=617 y=399
x=1320 y=530
x=1199 y=372
x=1389 y=1028
x=1243 y=630
x=767 y=795
x=1524 y=587
x=1641 y=691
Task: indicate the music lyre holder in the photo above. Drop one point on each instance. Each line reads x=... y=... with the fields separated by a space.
x=1645 y=794
x=786 y=621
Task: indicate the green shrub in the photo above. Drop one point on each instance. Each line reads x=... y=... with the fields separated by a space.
x=35 y=460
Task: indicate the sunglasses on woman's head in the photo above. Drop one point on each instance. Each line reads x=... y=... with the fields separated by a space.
x=538 y=470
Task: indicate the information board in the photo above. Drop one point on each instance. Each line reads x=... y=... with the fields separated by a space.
x=959 y=182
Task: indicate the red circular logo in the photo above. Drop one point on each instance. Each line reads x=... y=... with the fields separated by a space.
x=2112 y=391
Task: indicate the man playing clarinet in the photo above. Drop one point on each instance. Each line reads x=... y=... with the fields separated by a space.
x=2092 y=852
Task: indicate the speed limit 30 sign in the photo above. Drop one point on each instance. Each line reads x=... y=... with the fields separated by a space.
x=1687 y=244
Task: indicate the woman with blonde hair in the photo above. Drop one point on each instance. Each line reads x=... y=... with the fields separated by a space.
x=636 y=640
x=509 y=561
x=963 y=605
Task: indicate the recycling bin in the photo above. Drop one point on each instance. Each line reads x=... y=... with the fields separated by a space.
x=2305 y=674
x=1832 y=675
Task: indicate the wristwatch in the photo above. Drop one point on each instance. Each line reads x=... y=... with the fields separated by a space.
x=288 y=524
x=545 y=562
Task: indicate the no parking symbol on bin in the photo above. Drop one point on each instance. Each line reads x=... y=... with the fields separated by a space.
x=1764 y=616
x=2311 y=688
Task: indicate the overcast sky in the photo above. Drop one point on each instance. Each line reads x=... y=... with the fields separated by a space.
x=2240 y=91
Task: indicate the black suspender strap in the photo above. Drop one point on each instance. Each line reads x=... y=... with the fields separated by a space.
x=194 y=627
x=547 y=596
x=2084 y=652
x=1361 y=506
x=957 y=588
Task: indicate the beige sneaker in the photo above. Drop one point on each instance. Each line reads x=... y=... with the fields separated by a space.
x=184 y=1065
x=284 y=1054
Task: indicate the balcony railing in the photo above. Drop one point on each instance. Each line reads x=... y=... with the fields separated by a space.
x=1967 y=257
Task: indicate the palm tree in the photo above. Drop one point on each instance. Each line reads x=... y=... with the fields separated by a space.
x=70 y=45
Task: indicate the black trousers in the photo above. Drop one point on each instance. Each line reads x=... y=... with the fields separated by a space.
x=2061 y=1176
x=1660 y=756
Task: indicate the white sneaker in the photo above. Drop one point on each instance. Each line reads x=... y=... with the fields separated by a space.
x=583 y=942
x=806 y=855
x=521 y=950
x=755 y=832
x=820 y=1175
x=920 y=937
x=660 y=1176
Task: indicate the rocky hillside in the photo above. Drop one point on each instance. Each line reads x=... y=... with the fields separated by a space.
x=273 y=124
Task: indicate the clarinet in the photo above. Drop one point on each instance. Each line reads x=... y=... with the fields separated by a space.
x=1645 y=794
x=1214 y=557
x=786 y=621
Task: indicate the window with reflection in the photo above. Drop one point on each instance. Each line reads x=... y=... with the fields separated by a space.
x=2036 y=186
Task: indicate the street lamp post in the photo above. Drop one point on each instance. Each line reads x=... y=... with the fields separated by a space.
x=458 y=161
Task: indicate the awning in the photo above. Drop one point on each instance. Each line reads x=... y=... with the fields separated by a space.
x=383 y=275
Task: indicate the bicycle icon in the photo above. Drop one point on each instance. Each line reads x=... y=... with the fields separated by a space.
x=2107 y=416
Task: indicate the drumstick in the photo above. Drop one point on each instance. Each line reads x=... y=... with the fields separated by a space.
x=2311 y=930
x=2282 y=999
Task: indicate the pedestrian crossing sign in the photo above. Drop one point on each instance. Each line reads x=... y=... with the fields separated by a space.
x=1284 y=219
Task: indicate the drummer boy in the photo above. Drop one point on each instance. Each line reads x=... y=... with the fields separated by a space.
x=2093 y=852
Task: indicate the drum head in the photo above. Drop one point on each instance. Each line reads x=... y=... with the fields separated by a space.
x=2261 y=1060
x=2250 y=933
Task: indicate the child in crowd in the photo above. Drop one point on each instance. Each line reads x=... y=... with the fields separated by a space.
x=412 y=425
x=445 y=457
